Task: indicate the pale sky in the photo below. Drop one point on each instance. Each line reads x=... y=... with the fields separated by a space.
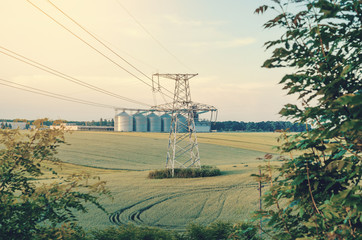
x=221 y=40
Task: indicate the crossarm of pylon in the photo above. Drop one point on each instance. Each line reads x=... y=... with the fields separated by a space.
x=194 y=106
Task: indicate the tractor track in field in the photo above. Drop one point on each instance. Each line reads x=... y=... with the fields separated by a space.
x=221 y=201
x=135 y=212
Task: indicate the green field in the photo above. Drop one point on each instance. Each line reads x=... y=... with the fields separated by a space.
x=124 y=159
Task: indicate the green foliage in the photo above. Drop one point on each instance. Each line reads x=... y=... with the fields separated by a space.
x=317 y=194
x=268 y=126
x=215 y=231
x=245 y=231
x=32 y=209
x=204 y=171
x=131 y=232
x=65 y=231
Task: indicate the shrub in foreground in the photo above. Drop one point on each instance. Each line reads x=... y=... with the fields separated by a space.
x=244 y=231
x=131 y=232
x=204 y=171
x=215 y=231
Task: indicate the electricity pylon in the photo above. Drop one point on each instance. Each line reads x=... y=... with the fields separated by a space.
x=183 y=149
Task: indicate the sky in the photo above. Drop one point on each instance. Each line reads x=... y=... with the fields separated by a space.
x=221 y=41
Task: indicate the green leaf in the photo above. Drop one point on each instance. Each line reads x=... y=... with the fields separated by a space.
x=299 y=179
x=346 y=69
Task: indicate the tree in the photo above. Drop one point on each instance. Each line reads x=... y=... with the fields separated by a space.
x=317 y=192
x=31 y=209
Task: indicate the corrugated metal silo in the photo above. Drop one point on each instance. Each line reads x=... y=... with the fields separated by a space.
x=165 y=122
x=154 y=122
x=140 y=122
x=182 y=124
x=123 y=122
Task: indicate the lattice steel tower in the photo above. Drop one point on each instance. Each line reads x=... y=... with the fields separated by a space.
x=183 y=150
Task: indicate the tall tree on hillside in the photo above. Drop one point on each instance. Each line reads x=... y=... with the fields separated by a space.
x=317 y=193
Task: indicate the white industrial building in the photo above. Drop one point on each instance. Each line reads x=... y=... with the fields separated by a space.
x=65 y=126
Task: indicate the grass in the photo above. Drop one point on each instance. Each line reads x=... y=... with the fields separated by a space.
x=125 y=159
x=145 y=151
x=261 y=141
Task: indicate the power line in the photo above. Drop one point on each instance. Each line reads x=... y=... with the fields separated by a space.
x=103 y=44
x=151 y=35
x=85 y=42
x=126 y=53
x=53 y=95
x=115 y=53
x=66 y=77
x=88 y=44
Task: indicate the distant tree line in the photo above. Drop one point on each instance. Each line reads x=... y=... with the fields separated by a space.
x=265 y=126
x=101 y=122
x=268 y=126
x=6 y=126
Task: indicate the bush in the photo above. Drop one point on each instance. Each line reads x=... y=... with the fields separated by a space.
x=197 y=232
x=131 y=232
x=204 y=171
x=219 y=230
x=244 y=231
x=215 y=231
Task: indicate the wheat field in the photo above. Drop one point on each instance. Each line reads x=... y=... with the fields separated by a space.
x=124 y=160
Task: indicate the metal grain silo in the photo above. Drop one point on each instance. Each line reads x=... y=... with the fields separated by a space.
x=181 y=124
x=123 y=123
x=140 y=122
x=165 y=122
x=154 y=123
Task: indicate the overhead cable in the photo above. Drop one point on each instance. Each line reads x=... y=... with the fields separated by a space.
x=85 y=42
x=98 y=40
x=124 y=52
x=153 y=37
x=88 y=44
x=53 y=95
x=102 y=43
x=65 y=76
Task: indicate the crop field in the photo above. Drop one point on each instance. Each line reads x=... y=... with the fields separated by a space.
x=124 y=160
